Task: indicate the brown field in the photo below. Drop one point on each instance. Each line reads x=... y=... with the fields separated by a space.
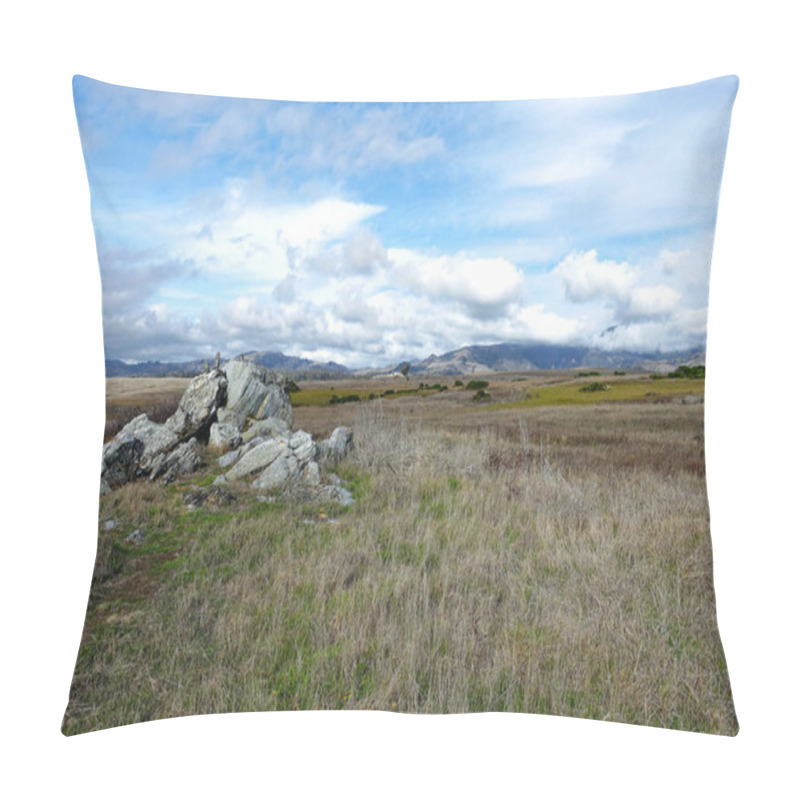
x=551 y=559
x=126 y=398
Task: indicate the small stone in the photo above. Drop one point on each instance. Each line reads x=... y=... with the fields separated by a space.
x=137 y=537
x=110 y=525
x=343 y=496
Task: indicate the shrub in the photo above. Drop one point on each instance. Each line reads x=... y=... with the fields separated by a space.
x=688 y=372
x=477 y=385
x=595 y=387
x=481 y=396
x=458 y=383
x=587 y=374
x=348 y=398
x=291 y=386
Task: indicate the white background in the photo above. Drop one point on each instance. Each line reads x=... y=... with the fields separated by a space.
x=52 y=382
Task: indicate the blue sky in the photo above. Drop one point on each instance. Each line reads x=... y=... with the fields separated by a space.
x=371 y=233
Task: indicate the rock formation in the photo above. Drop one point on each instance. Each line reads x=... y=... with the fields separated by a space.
x=239 y=409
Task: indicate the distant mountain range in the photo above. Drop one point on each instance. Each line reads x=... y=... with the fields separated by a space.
x=291 y=365
x=522 y=357
x=471 y=360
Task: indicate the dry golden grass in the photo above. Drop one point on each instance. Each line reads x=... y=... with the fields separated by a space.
x=552 y=560
x=126 y=398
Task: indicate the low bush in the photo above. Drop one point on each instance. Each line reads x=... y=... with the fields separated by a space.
x=596 y=387
x=688 y=372
x=348 y=398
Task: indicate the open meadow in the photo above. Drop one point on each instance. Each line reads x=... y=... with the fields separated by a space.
x=527 y=546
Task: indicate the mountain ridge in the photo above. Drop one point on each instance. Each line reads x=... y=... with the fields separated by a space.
x=467 y=360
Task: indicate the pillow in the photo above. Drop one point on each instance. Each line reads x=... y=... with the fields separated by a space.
x=404 y=407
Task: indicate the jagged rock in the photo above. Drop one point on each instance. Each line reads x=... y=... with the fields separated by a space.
x=185 y=458
x=156 y=438
x=273 y=426
x=311 y=474
x=120 y=462
x=254 y=392
x=198 y=407
x=337 y=445
x=303 y=447
x=230 y=458
x=224 y=437
x=215 y=407
x=282 y=469
x=258 y=458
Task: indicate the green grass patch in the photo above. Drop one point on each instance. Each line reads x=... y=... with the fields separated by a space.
x=573 y=394
x=357 y=481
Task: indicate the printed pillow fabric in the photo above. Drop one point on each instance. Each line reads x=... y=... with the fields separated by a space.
x=404 y=407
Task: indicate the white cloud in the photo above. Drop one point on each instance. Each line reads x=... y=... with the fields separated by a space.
x=360 y=254
x=485 y=285
x=651 y=301
x=247 y=239
x=684 y=330
x=587 y=278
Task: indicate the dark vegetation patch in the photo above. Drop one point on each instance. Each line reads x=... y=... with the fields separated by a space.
x=695 y=373
x=596 y=386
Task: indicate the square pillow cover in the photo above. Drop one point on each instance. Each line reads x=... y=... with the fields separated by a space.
x=404 y=407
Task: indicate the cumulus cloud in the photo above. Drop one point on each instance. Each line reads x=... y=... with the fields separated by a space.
x=366 y=232
x=131 y=277
x=244 y=237
x=684 y=330
x=587 y=278
x=650 y=301
x=361 y=254
x=635 y=313
x=486 y=286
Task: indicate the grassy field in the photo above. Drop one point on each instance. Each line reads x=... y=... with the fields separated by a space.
x=510 y=555
x=126 y=398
